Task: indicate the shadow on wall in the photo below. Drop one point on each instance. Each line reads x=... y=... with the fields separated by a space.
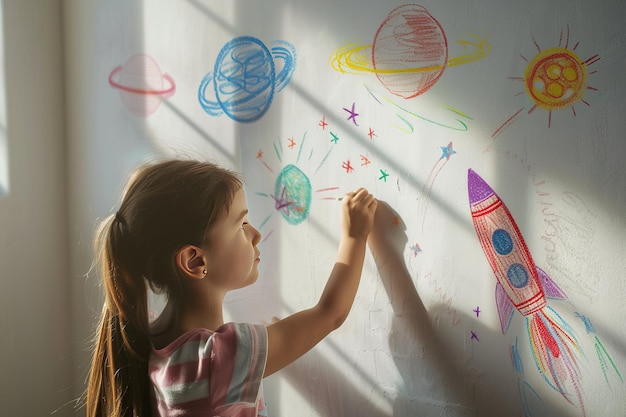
x=425 y=359
x=412 y=331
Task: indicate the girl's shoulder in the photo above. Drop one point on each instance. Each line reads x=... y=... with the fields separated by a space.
x=194 y=336
x=228 y=333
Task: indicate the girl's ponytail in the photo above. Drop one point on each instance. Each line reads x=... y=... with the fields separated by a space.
x=118 y=383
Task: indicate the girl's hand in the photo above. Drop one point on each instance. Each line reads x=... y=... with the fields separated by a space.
x=358 y=208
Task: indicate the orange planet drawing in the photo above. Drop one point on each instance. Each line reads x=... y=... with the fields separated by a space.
x=409 y=52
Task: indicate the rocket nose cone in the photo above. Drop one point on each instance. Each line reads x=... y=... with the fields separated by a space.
x=477 y=188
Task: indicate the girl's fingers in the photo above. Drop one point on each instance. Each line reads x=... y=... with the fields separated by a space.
x=370 y=199
x=360 y=193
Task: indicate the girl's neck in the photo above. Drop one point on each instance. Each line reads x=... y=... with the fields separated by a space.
x=193 y=315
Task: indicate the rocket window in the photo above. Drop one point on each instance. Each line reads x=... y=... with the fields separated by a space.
x=517 y=275
x=502 y=242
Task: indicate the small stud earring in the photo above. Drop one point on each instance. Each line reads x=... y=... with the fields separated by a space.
x=204 y=271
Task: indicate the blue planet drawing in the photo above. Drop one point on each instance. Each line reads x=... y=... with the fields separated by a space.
x=244 y=78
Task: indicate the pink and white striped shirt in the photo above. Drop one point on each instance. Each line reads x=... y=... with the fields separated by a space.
x=208 y=373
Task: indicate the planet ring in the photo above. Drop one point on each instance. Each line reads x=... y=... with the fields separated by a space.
x=166 y=92
x=357 y=59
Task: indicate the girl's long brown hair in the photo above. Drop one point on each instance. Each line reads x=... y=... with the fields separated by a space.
x=166 y=206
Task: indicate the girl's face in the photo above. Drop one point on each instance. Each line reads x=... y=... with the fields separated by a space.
x=232 y=255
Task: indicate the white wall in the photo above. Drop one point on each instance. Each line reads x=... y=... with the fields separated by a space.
x=560 y=175
x=37 y=360
x=402 y=351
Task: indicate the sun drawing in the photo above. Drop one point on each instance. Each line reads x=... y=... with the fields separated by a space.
x=554 y=79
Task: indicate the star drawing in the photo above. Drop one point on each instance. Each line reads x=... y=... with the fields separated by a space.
x=353 y=115
x=447 y=151
x=282 y=203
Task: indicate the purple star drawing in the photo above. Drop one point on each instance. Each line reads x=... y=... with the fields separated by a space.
x=282 y=203
x=353 y=115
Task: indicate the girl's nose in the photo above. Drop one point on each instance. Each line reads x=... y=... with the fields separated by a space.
x=256 y=235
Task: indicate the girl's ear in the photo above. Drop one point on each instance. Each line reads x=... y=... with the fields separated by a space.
x=191 y=262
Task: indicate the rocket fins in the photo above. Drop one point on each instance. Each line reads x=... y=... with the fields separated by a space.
x=549 y=287
x=505 y=307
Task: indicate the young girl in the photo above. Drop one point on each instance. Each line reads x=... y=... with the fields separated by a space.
x=182 y=229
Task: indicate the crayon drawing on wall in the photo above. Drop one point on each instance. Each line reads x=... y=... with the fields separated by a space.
x=555 y=78
x=491 y=131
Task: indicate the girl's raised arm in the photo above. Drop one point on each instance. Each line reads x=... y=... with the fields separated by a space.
x=290 y=338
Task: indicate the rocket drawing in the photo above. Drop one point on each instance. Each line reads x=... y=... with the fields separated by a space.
x=523 y=286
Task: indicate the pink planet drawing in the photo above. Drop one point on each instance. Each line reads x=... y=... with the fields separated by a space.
x=141 y=84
